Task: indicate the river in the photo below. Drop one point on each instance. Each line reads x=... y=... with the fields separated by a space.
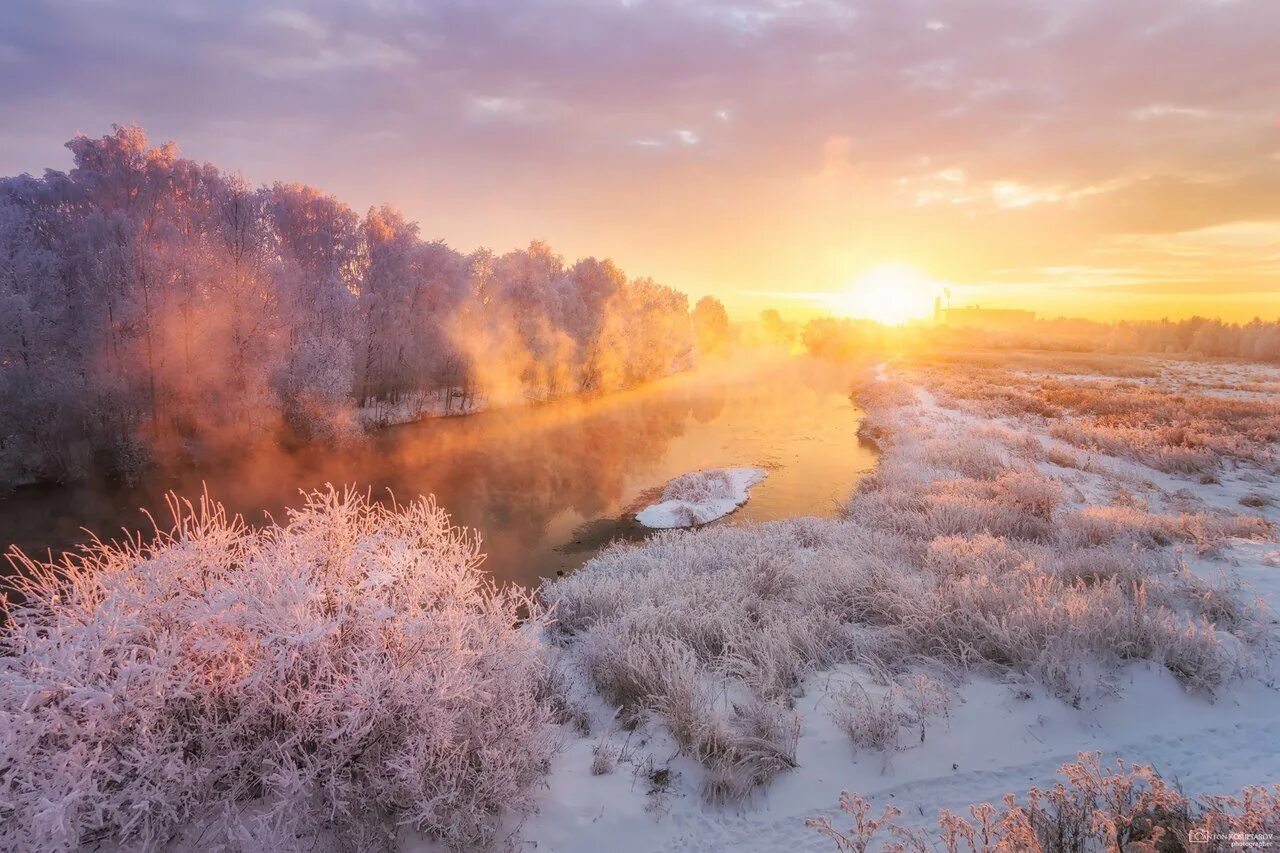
x=545 y=485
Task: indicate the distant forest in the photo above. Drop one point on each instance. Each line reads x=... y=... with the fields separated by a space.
x=154 y=305
x=842 y=339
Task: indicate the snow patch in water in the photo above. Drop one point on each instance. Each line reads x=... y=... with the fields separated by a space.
x=700 y=497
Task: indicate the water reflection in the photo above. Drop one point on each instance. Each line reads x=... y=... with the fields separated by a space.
x=545 y=485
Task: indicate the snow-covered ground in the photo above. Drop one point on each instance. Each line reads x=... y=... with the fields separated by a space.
x=998 y=738
x=700 y=497
x=633 y=788
x=1040 y=566
x=416 y=407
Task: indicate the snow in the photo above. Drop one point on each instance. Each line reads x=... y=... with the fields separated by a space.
x=700 y=497
x=997 y=739
x=420 y=406
x=1000 y=735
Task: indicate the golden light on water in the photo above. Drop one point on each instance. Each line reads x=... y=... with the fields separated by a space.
x=891 y=293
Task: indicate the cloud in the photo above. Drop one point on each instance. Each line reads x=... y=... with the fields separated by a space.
x=1089 y=118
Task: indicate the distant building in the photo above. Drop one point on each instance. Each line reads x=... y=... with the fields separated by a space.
x=977 y=317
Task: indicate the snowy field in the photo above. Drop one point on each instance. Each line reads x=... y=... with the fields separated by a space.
x=1114 y=539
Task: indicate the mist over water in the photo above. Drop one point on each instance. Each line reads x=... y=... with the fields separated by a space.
x=546 y=485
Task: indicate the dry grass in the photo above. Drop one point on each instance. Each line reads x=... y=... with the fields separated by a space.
x=1161 y=419
x=957 y=552
x=1097 y=808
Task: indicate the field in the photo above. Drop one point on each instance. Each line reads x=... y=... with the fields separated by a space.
x=1058 y=554
x=1060 y=561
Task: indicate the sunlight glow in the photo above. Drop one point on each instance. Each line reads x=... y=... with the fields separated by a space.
x=891 y=293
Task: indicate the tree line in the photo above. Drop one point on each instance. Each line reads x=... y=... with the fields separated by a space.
x=151 y=304
x=841 y=339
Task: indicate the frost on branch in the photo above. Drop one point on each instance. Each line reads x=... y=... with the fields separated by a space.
x=348 y=672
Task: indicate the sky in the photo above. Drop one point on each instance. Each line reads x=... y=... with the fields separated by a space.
x=1099 y=158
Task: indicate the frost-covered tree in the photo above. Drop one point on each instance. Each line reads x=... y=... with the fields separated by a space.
x=39 y=383
x=710 y=324
x=320 y=274
x=156 y=307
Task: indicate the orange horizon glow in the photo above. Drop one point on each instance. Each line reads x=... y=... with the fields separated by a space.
x=1048 y=305
x=892 y=294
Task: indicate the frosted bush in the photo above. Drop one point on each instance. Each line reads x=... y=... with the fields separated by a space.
x=965 y=454
x=954 y=556
x=639 y=671
x=1097 y=808
x=1125 y=525
x=699 y=486
x=1065 y=458
x=1029 y=491
x=348 y=672
x=604 y=757
x=858 y=838
x=700 y=497
x=644 y=666
x=757 y=743
x=869 y=722
x=925 y=699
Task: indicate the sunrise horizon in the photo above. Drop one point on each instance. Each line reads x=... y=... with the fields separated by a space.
x=1025 y=156
x=1101 y=295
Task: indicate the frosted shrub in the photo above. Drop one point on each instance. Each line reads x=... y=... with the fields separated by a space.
x=640 y=671
x=968 y=455
x=1098 y=808
x=348 y=672
x=757 y=742
x=1254 y=812
x=604 y=757
x=1104 y=525
x=1193 y=652
x=925 y=699
x=1092 y=565
x=662 y=628
x=870 y=723
x=1066 y=458
x=858 y=838
x=954 y=556
x=700 y=486
x=1029 y=491
x=647 y=671
x=880 y=396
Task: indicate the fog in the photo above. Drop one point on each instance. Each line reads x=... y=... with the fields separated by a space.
x=545 y=485
x=154 y=310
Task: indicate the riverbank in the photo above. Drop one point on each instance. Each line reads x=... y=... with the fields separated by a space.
x=999 y=596
x=1044 y=562
x=547 y=485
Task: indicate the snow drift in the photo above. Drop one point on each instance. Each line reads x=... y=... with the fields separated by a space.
x=700 y=497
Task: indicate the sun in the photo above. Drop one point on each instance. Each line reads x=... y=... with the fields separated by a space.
x=890 y=293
